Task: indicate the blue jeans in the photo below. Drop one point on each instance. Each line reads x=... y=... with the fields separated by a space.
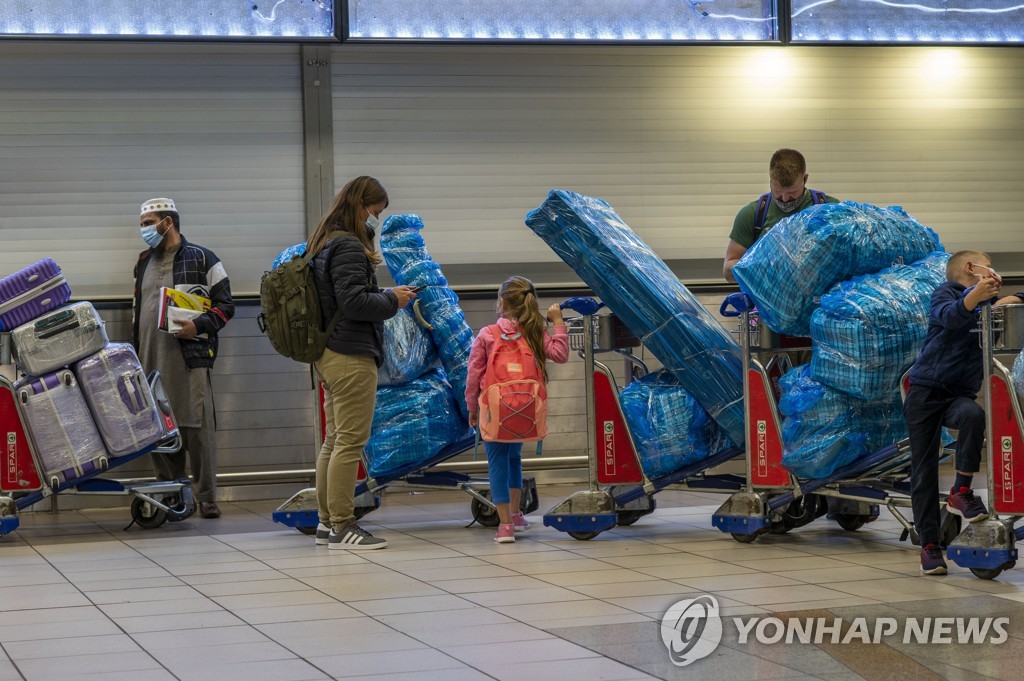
x=505 y=469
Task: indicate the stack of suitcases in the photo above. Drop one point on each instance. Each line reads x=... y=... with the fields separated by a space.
x=84 y=400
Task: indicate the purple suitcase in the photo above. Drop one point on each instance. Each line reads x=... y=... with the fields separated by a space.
x=31 y=292
x=119 y=397
x=61 y=427
x=58 y=339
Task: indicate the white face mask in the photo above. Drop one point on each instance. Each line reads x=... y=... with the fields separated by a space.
x=372 y=223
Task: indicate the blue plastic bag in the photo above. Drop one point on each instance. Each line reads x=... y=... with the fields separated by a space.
x=408 y=350
x=803 y=256
x=669 y=427
x=410 y=265
x=287 y=254
x=412 y=423
x=869 y=330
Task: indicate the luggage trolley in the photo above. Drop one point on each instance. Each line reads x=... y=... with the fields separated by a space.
x=773 y=500
x=23 y=484
x=988 y=547
x=300 y=510
x=613 y=460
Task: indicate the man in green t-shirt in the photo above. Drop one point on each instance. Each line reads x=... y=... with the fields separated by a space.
x=787 y=179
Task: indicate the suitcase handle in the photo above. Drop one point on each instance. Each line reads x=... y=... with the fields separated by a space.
x=134 y=388
x=57 y=324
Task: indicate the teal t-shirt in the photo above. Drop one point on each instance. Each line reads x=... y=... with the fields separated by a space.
x=743 y=231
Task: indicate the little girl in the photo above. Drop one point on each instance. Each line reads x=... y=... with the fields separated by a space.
x=518 y=316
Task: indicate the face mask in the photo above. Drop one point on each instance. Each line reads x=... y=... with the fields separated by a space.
x=787 y=206
x=151 y=236
x=372 y=223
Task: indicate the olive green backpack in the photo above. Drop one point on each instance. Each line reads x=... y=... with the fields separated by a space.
x=291 y=315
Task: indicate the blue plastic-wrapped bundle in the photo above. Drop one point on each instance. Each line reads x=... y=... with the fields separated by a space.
x=289 y=253
x=803 y=256
x=408 y=350
x=1017 y=375
x=824 y=429
x=412 y=423
x=670 y=429
x=410 y=264
x=640 y=288
x=869 y=330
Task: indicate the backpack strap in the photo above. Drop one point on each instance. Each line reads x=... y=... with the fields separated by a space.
x=761 y=213
x=817 y=198
x=498 y=334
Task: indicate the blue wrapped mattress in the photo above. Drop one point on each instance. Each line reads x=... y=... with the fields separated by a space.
x=412 y=423
x=670 y=429
x=409 y=264
x=803 y=256
x=824 y=429
x=640 y=288
x=1017 y=375
x=869 y=330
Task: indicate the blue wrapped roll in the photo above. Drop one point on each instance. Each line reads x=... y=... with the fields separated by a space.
x=824 y=429
x=410 y=265
x=803 y=256
x=287 y=254
x=640 y=288
x=670 y=429
x=869 y=330
x=412 y=423
x=408 y=350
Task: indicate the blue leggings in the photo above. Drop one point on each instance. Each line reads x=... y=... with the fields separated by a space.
x=505 y=469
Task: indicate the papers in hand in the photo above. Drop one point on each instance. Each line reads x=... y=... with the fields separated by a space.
x=178 y=307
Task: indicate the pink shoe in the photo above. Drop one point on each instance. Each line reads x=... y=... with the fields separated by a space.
x=506 y=534
x=519 y=522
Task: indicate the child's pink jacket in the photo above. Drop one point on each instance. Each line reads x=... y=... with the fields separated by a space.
x=556 y=347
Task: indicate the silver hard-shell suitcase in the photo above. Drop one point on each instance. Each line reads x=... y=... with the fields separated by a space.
x=58 y=338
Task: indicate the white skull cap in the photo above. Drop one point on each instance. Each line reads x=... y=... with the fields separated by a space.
x=158 y=206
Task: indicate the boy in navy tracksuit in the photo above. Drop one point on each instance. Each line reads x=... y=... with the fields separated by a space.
x=944 y=384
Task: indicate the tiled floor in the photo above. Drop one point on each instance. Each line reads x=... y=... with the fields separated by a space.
x=243 y=598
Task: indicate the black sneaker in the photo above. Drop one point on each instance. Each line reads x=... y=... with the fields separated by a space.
x=932 y=562
x=322 y=534
x=354 y=537
x=966 y=505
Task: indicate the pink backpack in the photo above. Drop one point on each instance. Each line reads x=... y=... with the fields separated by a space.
x=513 y=398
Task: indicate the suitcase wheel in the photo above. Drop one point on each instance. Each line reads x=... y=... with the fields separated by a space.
x=54 y=482
x=103 y=463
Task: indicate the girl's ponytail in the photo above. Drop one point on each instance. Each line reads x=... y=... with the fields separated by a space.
x=518 y=301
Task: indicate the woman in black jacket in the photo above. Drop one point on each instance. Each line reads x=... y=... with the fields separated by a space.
x=344 y=262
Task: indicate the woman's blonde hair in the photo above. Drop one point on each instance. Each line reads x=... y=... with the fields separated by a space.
x=344 y=216
x=517 y=300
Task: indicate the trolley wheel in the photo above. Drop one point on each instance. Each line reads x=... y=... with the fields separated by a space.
x=360 y=511
x=779 y=527
x=744 y=538
x=950 y=528
x=583 y=536
x=986 y=573
x=306 y=529
x=850 y=521
x=630 y=516
x=482 y=513
x=147 y=516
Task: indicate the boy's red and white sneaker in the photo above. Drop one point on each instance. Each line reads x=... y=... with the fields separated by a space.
x=506 y=534
x=519 y=522
x=966 y=505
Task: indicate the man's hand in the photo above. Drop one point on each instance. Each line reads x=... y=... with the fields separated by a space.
x=188 y=331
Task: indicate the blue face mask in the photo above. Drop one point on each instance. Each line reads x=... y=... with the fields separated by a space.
x=151 y=236
x=372 y=223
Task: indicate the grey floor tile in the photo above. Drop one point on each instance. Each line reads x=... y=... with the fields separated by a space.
x=386 y=665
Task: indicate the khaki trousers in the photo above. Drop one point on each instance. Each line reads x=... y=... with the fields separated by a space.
x=350 y=390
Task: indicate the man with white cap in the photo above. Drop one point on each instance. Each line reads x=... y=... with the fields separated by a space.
x=185 y=358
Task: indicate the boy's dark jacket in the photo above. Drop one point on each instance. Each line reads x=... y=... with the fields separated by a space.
x=192 y=265
x=951 y=357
